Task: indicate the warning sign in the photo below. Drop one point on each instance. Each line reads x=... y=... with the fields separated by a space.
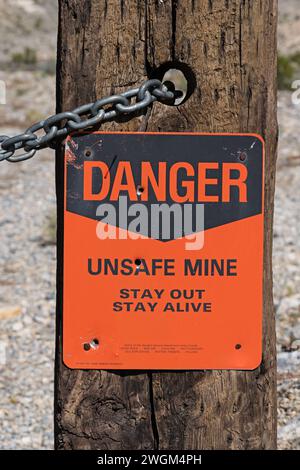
x=163 y=251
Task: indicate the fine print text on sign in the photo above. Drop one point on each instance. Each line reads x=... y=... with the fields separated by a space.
x=163 y=251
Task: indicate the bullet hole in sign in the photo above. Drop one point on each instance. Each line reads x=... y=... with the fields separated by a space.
x=94 y=343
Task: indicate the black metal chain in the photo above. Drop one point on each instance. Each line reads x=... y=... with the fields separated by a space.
x=60 y=125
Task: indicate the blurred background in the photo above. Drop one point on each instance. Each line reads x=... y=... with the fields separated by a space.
x=27 y=227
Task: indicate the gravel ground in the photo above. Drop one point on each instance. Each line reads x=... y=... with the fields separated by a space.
x=27 y=292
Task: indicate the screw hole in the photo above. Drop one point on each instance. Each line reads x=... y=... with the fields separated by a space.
x=139 y=190
x=86 y=346
x=88 y=153
x=138 y=262
x=238 y=346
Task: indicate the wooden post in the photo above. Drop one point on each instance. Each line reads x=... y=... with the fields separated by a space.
x=107 y=46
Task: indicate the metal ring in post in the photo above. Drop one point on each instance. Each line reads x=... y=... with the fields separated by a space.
x=21 y=158
x=147 y=100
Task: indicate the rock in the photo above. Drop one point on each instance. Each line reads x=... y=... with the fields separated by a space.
x=10 y=311
x=17 y=326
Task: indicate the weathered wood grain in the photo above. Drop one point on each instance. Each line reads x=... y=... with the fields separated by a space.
x=109 y=45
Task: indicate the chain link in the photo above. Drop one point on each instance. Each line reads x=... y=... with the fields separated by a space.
x=87 y=116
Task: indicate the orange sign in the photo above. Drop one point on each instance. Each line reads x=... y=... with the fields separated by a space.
x=163 y=251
